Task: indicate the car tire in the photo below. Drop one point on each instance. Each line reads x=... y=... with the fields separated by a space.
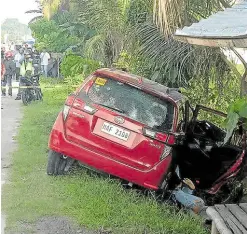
x=58 y=164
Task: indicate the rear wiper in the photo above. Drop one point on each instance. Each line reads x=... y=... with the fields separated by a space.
x=112 y=108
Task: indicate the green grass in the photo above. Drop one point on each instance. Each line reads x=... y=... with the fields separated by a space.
x=90 y=200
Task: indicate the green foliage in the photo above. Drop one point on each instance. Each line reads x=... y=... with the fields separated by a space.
x=71 y=83
x=73 y=65
x=124 y=61
x=109 y=20
x=208 y=93
x=174 y=63
x=237 y=111
x=49 y=35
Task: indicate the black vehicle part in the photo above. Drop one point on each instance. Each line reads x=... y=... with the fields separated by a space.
x=31 y=93
x=205 y=167
x=231 y=192
x=26 y=96
x=58 y=164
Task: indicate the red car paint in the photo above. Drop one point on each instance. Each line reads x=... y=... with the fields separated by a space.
x=139 y=159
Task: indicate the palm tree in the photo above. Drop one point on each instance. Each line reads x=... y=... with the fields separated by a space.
x=48 y=8
x=173 y=62
x=107 y=18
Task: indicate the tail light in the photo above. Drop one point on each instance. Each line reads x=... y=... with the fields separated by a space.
x=159 y=136
x=65 y=112
x=67 y=105
x=162 y=137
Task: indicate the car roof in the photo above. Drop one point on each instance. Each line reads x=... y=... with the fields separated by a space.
x=141 y=82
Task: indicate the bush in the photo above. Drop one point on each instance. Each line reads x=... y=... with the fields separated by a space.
x=237 y=111
x=213 y=96
x=73 y=65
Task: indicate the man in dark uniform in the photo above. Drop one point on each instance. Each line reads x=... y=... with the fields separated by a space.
x=9 y=73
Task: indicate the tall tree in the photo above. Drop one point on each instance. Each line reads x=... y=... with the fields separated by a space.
x=172 y=62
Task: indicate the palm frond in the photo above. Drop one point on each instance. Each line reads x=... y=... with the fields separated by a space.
x=169 y=15
x=33 y=11
x=35 y=19
x=94 y=48
x=174 y=62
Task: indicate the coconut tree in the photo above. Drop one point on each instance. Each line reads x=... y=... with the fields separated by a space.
x=170 y=61
x=108 y=19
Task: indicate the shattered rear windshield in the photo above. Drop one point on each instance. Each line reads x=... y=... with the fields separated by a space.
x=134 y=103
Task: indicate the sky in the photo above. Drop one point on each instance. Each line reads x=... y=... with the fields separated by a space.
x=17 y=9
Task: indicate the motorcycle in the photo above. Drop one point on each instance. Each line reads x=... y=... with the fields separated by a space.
x=32 y=91
x=216 y=168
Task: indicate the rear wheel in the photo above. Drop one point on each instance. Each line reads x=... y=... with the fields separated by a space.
x=58 y=164
x=26 y=97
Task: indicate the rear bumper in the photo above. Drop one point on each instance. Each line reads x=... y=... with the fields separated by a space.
x=151 y=178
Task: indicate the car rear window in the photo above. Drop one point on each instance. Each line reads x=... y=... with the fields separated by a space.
x=134 y=103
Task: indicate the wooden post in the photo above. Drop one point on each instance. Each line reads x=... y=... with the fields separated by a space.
x=218 y=224
x=214 y=228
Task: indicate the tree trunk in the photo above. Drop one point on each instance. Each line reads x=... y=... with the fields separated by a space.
x=243 y=81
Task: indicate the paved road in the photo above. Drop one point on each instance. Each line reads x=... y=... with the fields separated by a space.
x=11 y=115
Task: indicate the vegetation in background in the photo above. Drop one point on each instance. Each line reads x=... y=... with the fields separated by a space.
x=237 y=112
x=213 y=96
x=142 y=31
x=73 y=65
x=15 y=30
x=92 y=201
x=137 y=35
x=49 y=35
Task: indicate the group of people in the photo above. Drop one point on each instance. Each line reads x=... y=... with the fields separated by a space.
x=21 y=62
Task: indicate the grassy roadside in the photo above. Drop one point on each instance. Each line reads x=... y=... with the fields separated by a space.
x=91 y=201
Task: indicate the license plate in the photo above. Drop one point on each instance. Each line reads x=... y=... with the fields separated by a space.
x=115 y=131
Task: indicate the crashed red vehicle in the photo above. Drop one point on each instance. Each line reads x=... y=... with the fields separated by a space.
x=138 y=130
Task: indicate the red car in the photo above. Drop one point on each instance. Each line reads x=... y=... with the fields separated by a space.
x=125 y=125
x=115 y=123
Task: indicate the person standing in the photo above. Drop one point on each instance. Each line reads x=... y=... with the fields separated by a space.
x=26 y=71
x=2 y=53
x=36 y=61
x=2 y=72
x=19 y=57
x=12 y=47
x=9 y=72
x=2 y=68
x=45 y=57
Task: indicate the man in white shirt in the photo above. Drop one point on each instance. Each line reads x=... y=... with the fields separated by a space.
x=19 y=57
x=44 y=56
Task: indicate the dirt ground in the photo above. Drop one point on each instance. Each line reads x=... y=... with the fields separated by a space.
x=51 y=225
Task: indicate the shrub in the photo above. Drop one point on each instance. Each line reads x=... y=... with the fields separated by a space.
x=213 y=96
x=237 y=111
x=73 y=65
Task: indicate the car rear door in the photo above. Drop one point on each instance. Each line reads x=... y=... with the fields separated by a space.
x=111 y=133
